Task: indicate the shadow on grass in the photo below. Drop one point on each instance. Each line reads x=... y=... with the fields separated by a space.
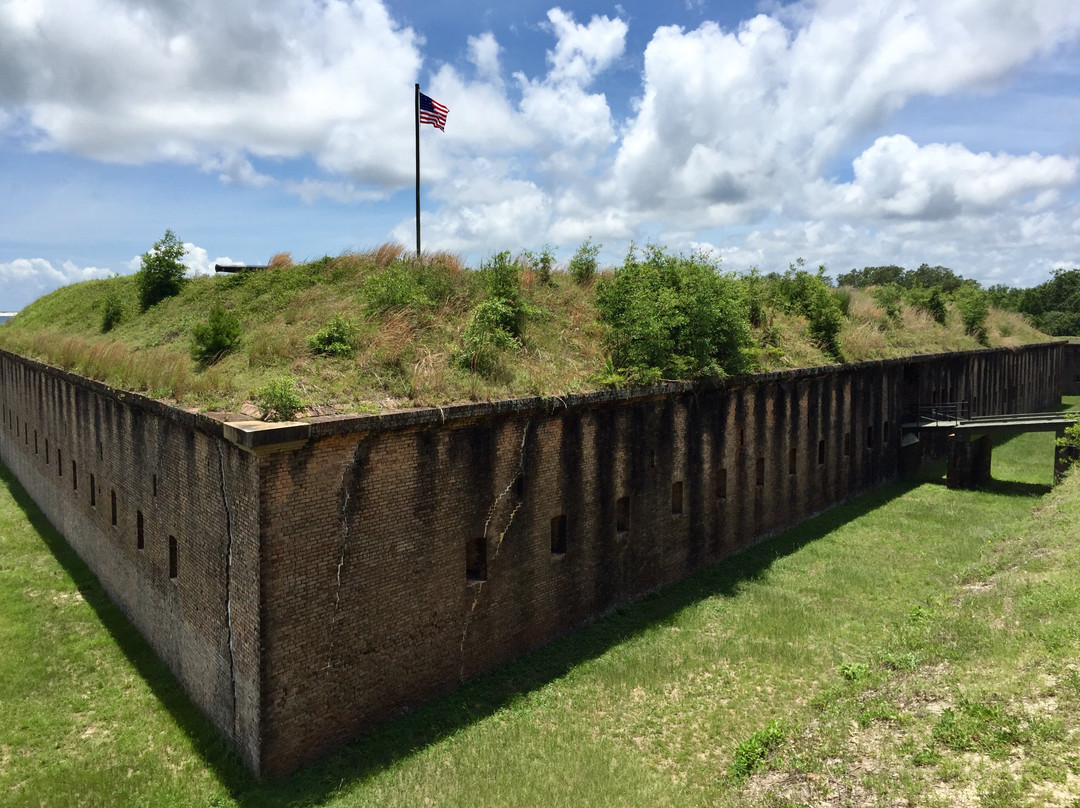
x=208 y=742
x=473 y=701
x=390 y=743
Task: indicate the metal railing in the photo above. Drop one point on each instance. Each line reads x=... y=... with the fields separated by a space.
x=953 y=412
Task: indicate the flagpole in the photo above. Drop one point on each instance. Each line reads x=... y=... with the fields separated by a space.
x=416 y=106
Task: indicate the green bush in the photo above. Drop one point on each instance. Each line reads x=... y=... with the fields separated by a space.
x=279 y=400
x=672 y=317
x=542 y=263
x=112 y=313
x=162 y=274
x=889 y=297
x=930 y=299
x=486 y=335
x=810 y=295
x=974 y=307
x=501 y=278
x=1070 y=443
x=583 y=265
x=336 y=338
x=396 y=287
x=213 y=339
x=843 y=300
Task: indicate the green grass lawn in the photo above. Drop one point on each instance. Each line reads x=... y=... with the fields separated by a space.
x=915 y=644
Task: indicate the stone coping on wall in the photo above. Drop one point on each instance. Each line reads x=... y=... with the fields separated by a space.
x=261 y=436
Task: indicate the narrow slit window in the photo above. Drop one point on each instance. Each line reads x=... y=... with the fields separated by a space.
x=74 y=476
x=476 y=559
x=558 y=535
x=114 y=506
x=676 y=498
x=46 y=451
x=59 y=463
x=622 y=514
x=140 y=541
x=721 y=484
x=870 y=437
x=172 y=558
x=793 y=460
x=759 y=476
x=35 y=442
x=93 y=492
x=821 y=452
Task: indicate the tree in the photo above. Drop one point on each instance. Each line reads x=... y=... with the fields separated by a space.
x=162 y=273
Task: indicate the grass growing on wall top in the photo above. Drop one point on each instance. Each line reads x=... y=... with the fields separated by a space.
x=409 y=325
x=854 y=632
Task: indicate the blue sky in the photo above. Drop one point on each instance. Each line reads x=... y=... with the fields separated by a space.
x=838 y=131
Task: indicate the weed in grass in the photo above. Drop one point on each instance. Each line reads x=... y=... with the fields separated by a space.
x=927 y=756
x=1005 y=791
x=854 y=671
x=753 y=752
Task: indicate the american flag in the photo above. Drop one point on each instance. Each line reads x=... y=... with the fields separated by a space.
x=431 y=111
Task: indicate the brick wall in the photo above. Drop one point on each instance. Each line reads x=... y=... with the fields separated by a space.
x=113 y=471
x=377 y=531
x=324 y=588
x=1070 y=376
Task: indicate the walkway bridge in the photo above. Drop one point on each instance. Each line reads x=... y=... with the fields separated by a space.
x=970 y=437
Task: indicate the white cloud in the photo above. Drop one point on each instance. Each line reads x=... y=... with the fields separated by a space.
x=733 y=125
x=25 y=279
x=897 y=178
x=196 y=260
x=484 y=54
x=205 y=82
x=583 y=51
x=311 y=191
x=729 y=141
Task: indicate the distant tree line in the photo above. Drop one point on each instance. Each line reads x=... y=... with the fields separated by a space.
x=1052 y=306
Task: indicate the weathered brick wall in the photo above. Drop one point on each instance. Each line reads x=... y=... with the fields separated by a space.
x=106 y=467
x=370 y=605
x=1070 y=376
x=323 y=589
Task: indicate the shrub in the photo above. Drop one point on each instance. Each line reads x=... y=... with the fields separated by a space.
x=889 y=297
x=336 y=338
x=811 y=296
x=113 y=313
x=162 y=274
x=973 y=305
x=279 y=400
x=583 y=265
x=929 y=299
x=543 y=263
x=843 y=300
x=486 y=335
x=502 y=281
x=1070 y=444
x=396 y=287
x=216 y=337
x=672 y=317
